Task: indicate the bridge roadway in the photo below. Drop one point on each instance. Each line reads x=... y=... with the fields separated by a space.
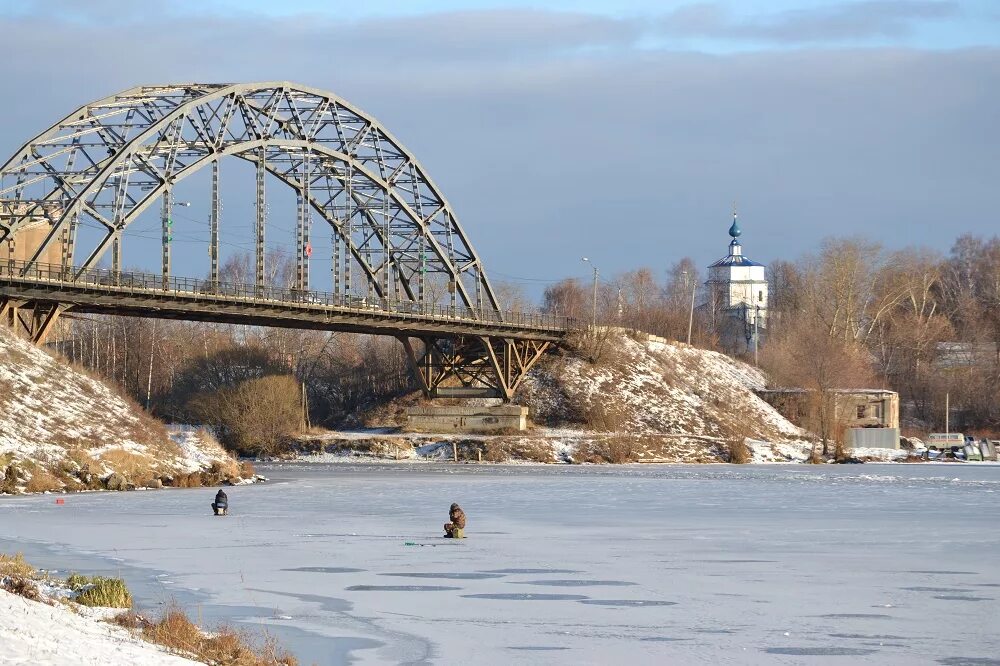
x=99 y=291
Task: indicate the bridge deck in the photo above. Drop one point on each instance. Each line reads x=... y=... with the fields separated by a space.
x=148 y=295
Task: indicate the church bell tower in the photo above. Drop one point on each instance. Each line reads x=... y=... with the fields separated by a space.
x=737 y=290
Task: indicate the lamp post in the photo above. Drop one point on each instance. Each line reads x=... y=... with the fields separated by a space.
x=596 y=274
x=756 y=335
x=168 y=233
x=694 y=286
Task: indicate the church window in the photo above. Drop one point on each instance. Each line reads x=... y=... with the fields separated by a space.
x=760 y=295
x=862 y=411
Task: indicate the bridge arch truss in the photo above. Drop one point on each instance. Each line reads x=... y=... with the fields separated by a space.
x=110 y=160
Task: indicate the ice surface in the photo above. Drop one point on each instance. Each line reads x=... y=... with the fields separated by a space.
x=886 y=564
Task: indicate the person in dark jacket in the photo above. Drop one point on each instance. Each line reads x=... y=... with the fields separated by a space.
x=221 y=503
x=456 y=528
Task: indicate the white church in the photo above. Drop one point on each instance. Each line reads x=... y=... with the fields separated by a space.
x=737 y=297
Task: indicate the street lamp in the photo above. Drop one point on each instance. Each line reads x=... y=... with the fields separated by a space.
x=694 y=286
x=596 y=274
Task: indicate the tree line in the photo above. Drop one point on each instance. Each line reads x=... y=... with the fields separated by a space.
x=851 y=315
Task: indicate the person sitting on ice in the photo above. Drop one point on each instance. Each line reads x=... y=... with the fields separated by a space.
x=221 y=504
x=456 y=528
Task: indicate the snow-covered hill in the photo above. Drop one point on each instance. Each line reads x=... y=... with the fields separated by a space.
x=654 y=387
x=62 y=429
x=37 y=633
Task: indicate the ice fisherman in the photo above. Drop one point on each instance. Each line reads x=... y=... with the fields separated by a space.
x=456 y=528
x=221 y=504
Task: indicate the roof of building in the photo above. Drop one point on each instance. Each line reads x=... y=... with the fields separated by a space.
x=735 y=260
x=735 y=256
x=852 y=391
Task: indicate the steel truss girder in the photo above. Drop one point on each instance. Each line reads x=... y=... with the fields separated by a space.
x=496 y=364
x=33 y=320
x=110 y=159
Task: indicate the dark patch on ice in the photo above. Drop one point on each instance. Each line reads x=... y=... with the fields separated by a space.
x=446 y=575
x=740 y=561
x=860 y=616
x=919 y=588
x=332 y=604
x=574 y=583
x=957 y=597
x=664 y=639
x=635 y=603
x=984 y=584
x=714 y=631
x=947 y=573
x=537 y=648
x=531 y=571
x=969 y=661
x=820 y=651
x=400 y=588
x=527 y=596
x=332 y=570
x=870 y=637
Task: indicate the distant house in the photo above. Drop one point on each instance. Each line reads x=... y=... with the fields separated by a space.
x=954 y=355
x=852 y=408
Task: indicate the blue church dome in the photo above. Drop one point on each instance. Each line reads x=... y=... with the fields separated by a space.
x=735 y=230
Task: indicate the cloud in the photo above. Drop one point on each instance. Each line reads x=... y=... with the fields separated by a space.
x=829 y=23
x=573 y=142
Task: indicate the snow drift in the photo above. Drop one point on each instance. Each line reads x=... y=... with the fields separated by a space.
x=61 y=429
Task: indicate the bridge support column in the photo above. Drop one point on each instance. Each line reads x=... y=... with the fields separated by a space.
x=213 y=249
x=166 y=222
x=44 y=321
x=9 y=312
x=472 y=366
x=261 y=220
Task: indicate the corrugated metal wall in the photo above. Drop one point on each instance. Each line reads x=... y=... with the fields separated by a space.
x=873 y=438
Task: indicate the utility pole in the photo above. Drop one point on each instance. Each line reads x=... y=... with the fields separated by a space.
x=596 y=275
x=756 y=335
x=694 y=286
x=947 y=410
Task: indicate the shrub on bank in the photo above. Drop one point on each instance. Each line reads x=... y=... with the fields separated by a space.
x=225 y=647
x=101 y=592
x=14 y=565
x=740 y=452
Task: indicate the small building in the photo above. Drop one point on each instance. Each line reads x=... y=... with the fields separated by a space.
x=852 y=408
x=737 y=292
x=866 y=418
x=958 y=355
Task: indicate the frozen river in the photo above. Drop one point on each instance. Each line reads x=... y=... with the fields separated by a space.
x=887 y=564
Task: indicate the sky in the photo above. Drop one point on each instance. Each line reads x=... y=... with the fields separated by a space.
x=622 y=131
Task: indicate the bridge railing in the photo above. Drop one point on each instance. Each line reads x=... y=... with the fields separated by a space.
x=150 y=283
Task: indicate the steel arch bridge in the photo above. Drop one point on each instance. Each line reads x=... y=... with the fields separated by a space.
x=392 y=230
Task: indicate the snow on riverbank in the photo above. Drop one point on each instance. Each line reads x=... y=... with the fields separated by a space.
x=38 y=634
x=62 y=429
x=652 y=387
